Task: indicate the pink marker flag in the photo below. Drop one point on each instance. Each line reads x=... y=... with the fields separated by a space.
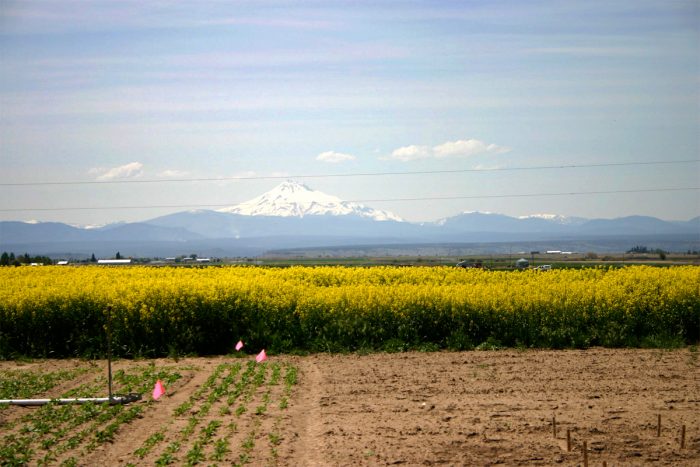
x=262 y=356
x=158 y=390
x=239 y=346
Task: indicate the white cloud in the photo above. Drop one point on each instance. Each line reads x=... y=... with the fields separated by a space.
x=410 y=153
x=466 y=148
x=130 y=170
x=460 y=148
x=335 y=157
x=173 y=173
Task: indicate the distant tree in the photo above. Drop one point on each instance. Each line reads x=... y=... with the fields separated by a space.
x=5 y=259
x=93 y=259
x=119 y=256
x=42 y=260
x=662 y=255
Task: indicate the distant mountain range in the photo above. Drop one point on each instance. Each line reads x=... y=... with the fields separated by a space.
x=293 y=215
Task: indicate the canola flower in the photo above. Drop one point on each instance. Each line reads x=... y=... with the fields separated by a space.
x=156 y=311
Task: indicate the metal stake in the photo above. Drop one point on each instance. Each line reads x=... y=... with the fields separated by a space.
x=109 y=352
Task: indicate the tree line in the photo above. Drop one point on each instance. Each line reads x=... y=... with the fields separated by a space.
x=9 y=259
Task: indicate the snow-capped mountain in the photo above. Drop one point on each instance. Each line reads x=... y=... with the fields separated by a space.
x=556 y=218
x=491 y=221
x=293 y=199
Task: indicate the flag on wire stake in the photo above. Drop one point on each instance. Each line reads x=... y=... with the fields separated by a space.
x=239 y=346
x=158 y=390
x=262 y=356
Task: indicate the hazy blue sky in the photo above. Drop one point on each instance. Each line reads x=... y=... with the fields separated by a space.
x=108 y=90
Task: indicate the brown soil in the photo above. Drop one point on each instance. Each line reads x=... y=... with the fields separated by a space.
x=468 y=408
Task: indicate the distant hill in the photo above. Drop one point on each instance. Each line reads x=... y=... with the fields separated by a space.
x=292 y=215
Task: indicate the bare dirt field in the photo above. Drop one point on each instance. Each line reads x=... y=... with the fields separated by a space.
x=446 y=408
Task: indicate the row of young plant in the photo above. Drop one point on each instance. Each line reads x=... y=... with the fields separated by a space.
x=221 y=425
x=20 y=384
x=56 y=434
x=170 y=311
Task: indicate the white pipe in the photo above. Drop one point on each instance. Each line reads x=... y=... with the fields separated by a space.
x=80 y=400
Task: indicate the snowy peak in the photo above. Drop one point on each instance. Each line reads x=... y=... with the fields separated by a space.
x=557 y=218
x=293 y=199
x=549 y=217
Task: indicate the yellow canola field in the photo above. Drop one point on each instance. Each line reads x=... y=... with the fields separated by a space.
x=62 y=311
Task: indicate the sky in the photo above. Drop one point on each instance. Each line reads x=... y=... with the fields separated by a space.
x=422 y=108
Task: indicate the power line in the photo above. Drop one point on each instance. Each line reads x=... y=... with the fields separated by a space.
x=428 y=198
x=530 y=195
x=357 y=174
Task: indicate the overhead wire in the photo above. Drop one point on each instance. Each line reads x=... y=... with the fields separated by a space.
x=377 y=200
x=361 y=174
x=342 y=175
